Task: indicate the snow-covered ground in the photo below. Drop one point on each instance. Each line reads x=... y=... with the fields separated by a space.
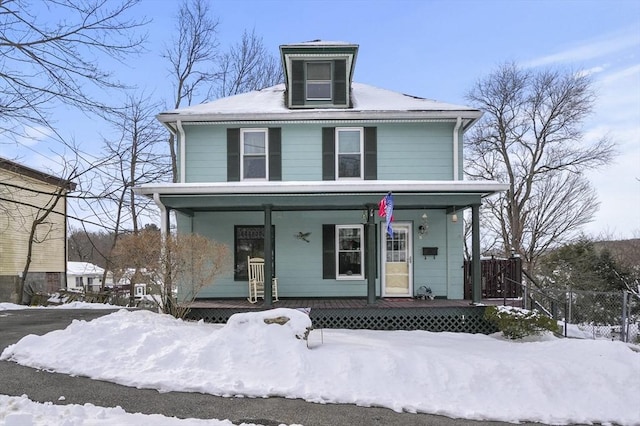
x=473 y=376
x=73 y=305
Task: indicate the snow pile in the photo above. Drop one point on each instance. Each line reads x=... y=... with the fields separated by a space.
x=543 y=379
x=20 y=411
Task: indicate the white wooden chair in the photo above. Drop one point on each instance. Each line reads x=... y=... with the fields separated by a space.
x=255 y=269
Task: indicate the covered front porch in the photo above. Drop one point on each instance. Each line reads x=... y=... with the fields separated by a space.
x=285 y=207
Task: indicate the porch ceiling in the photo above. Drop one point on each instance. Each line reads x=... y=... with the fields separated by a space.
x=325 y=195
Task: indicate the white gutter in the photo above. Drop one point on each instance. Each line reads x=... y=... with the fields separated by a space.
x=183 y=160
x=456 y=130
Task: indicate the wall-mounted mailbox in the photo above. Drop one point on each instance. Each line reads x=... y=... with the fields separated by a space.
x=429 y=251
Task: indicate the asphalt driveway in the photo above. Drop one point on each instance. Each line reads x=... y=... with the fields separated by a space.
x=42 y=386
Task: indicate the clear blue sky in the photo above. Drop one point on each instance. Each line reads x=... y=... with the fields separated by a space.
x=438 y=49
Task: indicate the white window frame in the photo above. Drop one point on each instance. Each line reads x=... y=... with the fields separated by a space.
x=329 y=81
x=337 y=151
x=361 y=250
x=266 y=153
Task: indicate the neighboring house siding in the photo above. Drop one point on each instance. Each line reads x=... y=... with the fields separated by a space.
x=411 y=151
x=16 y=220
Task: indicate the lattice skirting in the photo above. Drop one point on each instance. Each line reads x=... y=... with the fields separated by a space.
x=453 y=319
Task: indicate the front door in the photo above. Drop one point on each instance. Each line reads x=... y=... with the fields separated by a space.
x=397 y=265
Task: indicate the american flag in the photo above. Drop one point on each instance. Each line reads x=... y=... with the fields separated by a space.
x=385 y=209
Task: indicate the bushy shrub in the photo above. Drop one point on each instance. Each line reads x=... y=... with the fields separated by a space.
x=516 y=323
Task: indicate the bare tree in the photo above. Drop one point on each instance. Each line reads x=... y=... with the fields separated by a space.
x=43 y=61
x=531 y=138
x=135 y=158
x=248 y=66
x=191 y=259
x=191 y=55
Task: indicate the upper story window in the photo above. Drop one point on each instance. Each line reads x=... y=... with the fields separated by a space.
x=349 y=151
x=254 y=145
x=318 y=81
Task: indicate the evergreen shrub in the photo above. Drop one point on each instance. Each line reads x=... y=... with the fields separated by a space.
x=516 y=323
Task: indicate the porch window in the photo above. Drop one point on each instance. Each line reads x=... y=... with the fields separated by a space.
x=79 y=282
x=249 y=241
x=349 y=252
x=318 y=81
x=349 y=149
x=254 y=145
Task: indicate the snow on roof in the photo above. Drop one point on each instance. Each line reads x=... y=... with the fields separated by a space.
x=319 y=43
x=270 y=101
x=83 y=268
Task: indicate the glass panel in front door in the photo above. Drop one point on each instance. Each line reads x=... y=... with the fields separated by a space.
x=396 y=277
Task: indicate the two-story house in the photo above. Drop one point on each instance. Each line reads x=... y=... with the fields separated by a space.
x=294 y=173
x=33 y=231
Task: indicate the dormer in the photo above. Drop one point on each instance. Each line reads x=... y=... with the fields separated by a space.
x=318 y=73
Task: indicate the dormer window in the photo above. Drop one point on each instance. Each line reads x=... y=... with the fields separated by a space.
x=318 y=81
x=318 y=74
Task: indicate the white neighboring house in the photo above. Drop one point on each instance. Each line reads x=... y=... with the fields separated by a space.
x=139 y=289
x=85 y=276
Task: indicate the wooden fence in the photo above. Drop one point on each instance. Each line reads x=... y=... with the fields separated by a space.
x=500 y=278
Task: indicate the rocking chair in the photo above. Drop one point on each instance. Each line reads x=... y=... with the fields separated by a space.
x=255 y=267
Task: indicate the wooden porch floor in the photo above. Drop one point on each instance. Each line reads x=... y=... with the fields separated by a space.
x=345 y=303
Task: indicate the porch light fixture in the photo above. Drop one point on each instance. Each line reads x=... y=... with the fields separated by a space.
x=422 y=229
x=454 y=216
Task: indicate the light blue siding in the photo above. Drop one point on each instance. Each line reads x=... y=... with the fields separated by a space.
x=301 y=152
x=206 y=149
x=299 y=264
x=420 y=151
x=431 y=271
x=406 y=151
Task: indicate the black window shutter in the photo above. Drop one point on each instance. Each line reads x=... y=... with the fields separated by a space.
x=233 y=155
x=340 y=82
x=328 y=153
x=328 y=252
x=275 y=153
x=297 y=83
x=370 y=153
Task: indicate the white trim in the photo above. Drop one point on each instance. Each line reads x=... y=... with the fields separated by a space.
x=337 y=249
x=337 y=152
x=265 y=131
x=182 y=151
x=323 y=187
x=323 y=115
